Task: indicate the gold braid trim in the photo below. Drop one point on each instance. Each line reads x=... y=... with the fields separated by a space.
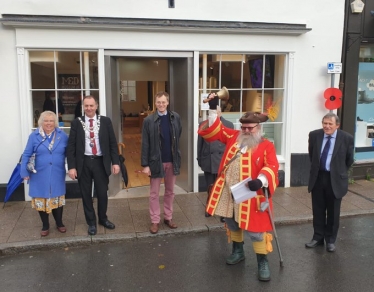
x=245 y=207
x=271 y=173
x=214 y=132
x=219 y=183
x=228 y=136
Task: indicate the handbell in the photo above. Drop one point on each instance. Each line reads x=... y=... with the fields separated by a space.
x=223 y=94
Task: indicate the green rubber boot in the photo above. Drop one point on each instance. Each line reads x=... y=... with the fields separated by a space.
x=237 y=254
x=263 y=267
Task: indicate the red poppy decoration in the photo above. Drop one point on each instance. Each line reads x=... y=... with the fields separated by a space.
x=333 y=98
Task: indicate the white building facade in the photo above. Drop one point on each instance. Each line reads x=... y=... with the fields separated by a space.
x=265 y=53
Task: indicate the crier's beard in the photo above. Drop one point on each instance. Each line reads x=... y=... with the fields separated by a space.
x=250 y=140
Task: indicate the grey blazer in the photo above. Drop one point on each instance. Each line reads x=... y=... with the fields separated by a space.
x=341 y=160
x=209 y=155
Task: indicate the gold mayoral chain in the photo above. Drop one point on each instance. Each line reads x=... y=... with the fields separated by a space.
x=95 y=130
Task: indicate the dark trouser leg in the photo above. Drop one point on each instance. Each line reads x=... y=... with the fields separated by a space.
x=101 y=181
x=45 y=219
x=324 y=202
x=319 y=207
x=210 y=178
x=333 y=216
x=57 y=214
x=85 y=185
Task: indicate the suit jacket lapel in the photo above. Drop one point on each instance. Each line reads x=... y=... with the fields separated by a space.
x=101 y=132
x=82 y=134
x=319 y=142
x=338 y=143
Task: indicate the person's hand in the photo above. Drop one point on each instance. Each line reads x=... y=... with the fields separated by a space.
x=209 y=98
x=72 y=173
x=146 y=170
x=115 y=169
x=254 y=185
x=219 y=113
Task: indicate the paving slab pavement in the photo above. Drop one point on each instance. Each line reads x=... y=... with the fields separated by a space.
x=20 y=224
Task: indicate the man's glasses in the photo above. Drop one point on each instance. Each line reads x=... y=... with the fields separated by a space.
x=248 y=128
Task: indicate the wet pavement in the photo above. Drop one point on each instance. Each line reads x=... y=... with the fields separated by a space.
x=196 y=262
x=20 y=224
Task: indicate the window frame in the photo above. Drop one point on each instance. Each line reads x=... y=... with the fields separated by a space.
x=235 y=116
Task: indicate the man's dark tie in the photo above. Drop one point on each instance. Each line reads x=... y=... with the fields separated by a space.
x=92 y=138
x=322 y=162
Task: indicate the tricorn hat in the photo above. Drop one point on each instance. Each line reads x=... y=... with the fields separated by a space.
x=253 y=117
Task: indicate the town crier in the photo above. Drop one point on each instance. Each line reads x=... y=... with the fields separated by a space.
x=247 y=154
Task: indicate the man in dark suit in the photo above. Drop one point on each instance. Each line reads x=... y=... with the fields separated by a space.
x=331 y=156
x=209 y=155
x=92 y=154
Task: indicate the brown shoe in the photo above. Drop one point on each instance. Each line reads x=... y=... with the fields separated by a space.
x=62 y=229
x=170 y=224
x=154 y=228
x=44 y=232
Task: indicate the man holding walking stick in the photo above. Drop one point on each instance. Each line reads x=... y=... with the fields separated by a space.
x=247 y=154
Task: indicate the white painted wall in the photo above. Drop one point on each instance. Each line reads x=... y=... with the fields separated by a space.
x=286 y=11
x=311 y=51
x=10 y=128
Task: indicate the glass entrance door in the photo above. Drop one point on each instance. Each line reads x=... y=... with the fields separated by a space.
x=137 y=80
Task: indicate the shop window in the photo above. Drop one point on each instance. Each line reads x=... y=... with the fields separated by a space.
x=59 y=80
x=364 y=136
x=255 y=83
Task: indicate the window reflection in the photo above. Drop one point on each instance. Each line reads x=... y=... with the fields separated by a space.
x=76 y=74
x=42 y=69
x=255 y=83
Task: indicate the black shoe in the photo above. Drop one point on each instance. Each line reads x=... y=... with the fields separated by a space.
x=222 y=219
x=107 y=224
x=314 y=243
x=92 y=230
x=330 y=247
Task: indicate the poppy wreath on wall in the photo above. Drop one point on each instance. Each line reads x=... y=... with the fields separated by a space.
x=333 y=98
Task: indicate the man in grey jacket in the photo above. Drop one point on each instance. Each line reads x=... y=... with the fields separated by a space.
x=161 y=158
x=209 y=156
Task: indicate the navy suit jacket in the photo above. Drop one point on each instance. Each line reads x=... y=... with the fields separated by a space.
x=341 y=160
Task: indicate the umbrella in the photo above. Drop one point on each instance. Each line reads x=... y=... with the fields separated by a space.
x=14 y=181
x=122 y=165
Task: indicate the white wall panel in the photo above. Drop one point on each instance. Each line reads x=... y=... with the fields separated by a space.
x=10 y=126
x=286 y=11
x=311 y=51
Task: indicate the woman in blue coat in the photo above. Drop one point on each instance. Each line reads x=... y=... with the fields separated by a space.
x=47 y=181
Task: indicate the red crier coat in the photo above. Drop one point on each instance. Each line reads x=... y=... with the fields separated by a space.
x=262 y=160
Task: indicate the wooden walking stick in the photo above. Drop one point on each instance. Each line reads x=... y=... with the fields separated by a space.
x=266 y=206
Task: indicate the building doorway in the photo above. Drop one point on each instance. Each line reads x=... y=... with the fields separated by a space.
x=132 y=82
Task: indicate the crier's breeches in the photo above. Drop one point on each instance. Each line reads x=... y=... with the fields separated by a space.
x=261 y=241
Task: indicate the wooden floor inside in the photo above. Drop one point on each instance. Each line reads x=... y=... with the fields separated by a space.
x=132 y=140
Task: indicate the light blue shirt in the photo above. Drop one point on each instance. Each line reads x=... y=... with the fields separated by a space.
x=164 y=114
x=331 y=150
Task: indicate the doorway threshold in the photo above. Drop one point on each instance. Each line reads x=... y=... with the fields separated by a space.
x=141 y=192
